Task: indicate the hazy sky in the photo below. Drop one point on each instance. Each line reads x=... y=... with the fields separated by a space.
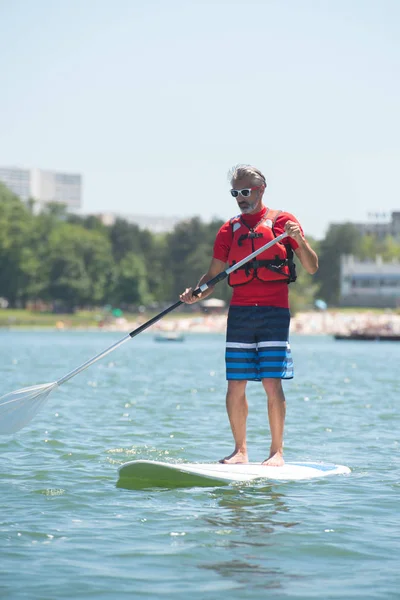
x=154 y=101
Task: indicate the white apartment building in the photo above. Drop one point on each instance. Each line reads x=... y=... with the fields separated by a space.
x=44 y=186
x=154 y=223
x=369 y=283
x=381 y=229
x=378 y=226
x=17 y=180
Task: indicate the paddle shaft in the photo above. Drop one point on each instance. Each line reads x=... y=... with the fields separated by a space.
x=202 y=288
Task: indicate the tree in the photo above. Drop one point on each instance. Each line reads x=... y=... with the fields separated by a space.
x=88 y=222
x=131 y=284
x=189 y=252
x=302 y=292
x=15 y=229
x=389 y=249
x=367 y=247
x=154 y=257
x=340 y=239
x=125 y=238
x=80 y=266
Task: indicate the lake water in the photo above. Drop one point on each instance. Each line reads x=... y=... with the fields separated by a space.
x=68 y=532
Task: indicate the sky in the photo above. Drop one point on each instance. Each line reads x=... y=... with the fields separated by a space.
x=154 y=101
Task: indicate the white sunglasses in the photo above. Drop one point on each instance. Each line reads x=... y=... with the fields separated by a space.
x=246 y=192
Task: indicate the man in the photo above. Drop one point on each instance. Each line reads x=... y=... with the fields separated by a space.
x=257 y=346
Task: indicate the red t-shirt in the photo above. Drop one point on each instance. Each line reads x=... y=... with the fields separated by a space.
x=256 y=292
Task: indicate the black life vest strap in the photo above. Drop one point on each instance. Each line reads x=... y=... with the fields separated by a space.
x=252 y=235
x=276 y=264
x=291 y=264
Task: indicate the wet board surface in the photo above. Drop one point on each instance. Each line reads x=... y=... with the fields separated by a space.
x=139 y=474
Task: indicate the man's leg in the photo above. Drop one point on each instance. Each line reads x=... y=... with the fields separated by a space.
x=237 y=408
x=276 y=415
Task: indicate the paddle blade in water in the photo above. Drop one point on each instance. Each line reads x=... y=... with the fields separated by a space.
x=19 y=407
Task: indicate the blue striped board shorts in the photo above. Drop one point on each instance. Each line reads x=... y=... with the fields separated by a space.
x=257 y=343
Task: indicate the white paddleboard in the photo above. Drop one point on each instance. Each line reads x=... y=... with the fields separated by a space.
x=149 y=473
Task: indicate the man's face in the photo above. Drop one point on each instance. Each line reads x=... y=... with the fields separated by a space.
x=253 y=202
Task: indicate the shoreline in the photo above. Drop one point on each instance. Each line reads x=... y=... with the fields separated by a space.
x=328 y=322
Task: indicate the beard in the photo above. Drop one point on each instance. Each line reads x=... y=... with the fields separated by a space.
x=247 y=207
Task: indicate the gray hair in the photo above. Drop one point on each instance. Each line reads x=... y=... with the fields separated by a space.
x=239 y=172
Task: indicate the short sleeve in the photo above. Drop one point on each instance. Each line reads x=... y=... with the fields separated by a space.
x=223 y=242
x=279 y=228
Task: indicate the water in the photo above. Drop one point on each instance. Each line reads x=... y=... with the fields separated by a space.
x=67 y=531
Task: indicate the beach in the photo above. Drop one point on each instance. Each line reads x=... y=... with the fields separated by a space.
x=312 y=322
x=307 y=323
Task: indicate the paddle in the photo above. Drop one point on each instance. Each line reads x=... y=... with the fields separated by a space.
x=19 y=407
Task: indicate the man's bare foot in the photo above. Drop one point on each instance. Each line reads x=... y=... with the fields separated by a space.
x=236 y=458
x=274 y=460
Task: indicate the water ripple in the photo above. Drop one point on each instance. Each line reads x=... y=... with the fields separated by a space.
x=74 y=531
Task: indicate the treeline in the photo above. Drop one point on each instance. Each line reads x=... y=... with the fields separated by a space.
x=75 y=261
x=347 y=239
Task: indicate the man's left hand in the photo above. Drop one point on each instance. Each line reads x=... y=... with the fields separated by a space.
x=293 y=230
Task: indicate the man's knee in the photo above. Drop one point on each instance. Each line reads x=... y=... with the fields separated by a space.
x=272 y=385
x=236 y=386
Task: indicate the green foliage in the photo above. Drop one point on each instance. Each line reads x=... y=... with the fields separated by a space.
x=15 y=234
x=303 y=292
x=370 y=247
x=131 y=284
x=78 y=261
x=125 y=238
x=79 y=264
x=187 y=255
x=340 y=239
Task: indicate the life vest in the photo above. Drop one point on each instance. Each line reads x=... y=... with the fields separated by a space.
x=274 y=264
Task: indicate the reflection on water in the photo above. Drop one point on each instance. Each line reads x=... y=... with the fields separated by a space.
x=251 y=506
x=249 y=519
x=245 y=573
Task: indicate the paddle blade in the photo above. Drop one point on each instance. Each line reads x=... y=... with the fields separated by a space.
x=19 y=407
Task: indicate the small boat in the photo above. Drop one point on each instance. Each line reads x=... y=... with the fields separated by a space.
x=369 y=336
x=169 y=336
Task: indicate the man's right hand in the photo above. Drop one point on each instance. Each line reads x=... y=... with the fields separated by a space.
x=187 y=296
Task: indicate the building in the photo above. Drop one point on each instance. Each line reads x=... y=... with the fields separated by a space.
x=17 y=180
x=380 y=226
x=369 y=283
x=44 y=186
x=154 y=223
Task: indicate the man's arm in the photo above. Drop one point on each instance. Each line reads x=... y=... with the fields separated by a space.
x=304 y=252
x=216 y=267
